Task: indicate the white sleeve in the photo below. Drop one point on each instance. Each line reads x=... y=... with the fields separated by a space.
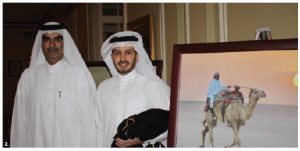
x=18 y=125
x=87 y=112
x=158 y=97
x=99 y=123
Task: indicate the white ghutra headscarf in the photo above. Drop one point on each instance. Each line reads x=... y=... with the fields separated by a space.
x=71 y=52
x=143 y=65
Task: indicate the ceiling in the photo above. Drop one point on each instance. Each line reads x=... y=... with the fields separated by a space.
x=22 y=15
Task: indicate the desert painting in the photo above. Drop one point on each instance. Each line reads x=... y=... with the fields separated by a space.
x=272 y=115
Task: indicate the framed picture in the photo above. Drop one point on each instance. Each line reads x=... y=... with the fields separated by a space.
x=266 y=65
x=144 y=26
x=100 y=71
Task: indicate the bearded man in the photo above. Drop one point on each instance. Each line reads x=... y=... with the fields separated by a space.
x=133 y=88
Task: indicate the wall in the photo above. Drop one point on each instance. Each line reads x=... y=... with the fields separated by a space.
x=197 y=23
x=243 y=19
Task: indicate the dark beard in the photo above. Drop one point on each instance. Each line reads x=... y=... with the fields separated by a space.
x=123 y=71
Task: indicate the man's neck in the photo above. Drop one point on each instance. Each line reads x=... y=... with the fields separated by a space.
x=53 y=64
x=128 y=75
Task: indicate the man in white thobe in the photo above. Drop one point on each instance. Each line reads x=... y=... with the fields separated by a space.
x=54 y=103
x=133 y=88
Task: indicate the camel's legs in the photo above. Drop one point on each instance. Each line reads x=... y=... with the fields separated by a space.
x=238 y=125
x=211 y=138
x=236 y=139
x=204 y=131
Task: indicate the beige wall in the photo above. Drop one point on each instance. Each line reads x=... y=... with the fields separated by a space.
x=212 y=22
x=197 y=23
x=243 y=19
x=204 y=22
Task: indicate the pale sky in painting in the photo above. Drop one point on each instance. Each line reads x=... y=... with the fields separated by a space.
x=271 y=71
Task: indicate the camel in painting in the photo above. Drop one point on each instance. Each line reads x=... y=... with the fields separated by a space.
x=235 y=113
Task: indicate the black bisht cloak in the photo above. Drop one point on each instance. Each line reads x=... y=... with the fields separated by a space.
x=145 y=125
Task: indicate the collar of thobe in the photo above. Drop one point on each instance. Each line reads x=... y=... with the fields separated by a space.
x=129 y=76
x=59 y=66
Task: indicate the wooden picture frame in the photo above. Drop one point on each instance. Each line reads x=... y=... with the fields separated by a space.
x=144 y=26
x=100 y=71
x=204 y=48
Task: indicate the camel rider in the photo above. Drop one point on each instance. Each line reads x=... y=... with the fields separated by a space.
x=214 y=88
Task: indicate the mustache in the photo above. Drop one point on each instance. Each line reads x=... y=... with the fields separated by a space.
x=121 y=62
x=52 y=49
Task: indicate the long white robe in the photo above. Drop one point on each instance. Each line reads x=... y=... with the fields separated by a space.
x=53 y=108
x=123 y=96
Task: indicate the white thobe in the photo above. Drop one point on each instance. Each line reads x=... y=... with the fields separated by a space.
x=53 y=108
x=214 y=88
x=123 y=96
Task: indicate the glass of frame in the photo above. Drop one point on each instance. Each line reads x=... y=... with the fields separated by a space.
x=268 y=65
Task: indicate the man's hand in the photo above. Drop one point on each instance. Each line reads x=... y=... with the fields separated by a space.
x=128 y=142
